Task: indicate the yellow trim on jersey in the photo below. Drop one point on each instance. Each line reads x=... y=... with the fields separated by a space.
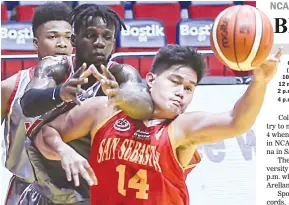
x=170 y=133
x=196 y=153
x=198 y=157
x=102 y=123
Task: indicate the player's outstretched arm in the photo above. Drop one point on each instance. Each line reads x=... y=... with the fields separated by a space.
x=201 y=128
x=69 y=126
x=46 y=90
x=125 y=89
x=74 y=124
x=7 y=87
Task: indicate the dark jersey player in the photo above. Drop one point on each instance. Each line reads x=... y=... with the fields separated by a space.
x=145 y=162
x=96 y=28
x=56 y=84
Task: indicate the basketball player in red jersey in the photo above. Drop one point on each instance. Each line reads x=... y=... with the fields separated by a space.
x=52 y=32
x=145 y=162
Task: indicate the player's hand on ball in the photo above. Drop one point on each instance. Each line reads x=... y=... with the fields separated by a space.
x=266 y=71
x=108 y=83
x=74 y=164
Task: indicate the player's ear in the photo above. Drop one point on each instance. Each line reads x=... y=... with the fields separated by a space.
x=73 y=39
x=150 y=77
x=35 y=43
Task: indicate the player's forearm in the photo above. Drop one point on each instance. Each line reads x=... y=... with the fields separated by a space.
x=135 y=100
x=247 y=108
x=50 y=144
x=45 y=148
x=36 y=102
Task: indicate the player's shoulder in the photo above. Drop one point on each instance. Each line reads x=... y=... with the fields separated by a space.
x=186 y=115
x=10 y=82
x=14 y=81
x=188 y=119
x=96 y=103
x=50 y=62
x=193 y=115
x=112 y=65
x=53 y=66
x=9 y=88
x=185 y=121
x=125 y=73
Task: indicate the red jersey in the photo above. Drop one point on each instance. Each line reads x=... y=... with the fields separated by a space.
x=136 y=165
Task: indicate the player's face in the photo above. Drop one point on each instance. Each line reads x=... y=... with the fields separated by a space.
x=95 y=42
x=172 y=90
x=53 y=38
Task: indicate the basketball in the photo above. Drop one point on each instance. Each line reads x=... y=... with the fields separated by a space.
x=242 y=37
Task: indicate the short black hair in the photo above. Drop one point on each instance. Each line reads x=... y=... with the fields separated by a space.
x=80 y=15
x=179 y=55
x=50 y=12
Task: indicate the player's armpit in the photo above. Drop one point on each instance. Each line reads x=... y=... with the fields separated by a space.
x=7 y=87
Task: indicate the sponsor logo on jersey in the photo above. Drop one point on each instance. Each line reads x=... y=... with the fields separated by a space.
x=122 y=125
x=139 y=134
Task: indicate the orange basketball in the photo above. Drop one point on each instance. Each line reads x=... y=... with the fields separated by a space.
x=242 y=37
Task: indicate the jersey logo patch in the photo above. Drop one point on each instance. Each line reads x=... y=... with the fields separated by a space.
x=139 y=134
x=31 y=126
x=122 y=125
